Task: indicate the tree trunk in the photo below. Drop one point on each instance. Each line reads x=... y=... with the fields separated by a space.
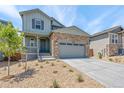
x=8 y=66
x=26 y=63
x=25 y=66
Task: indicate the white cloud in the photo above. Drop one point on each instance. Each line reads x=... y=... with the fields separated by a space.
x=96 y=25
x=10 y=11
x=65 y=14
x=119 y=19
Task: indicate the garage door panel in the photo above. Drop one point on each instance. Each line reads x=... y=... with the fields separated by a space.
x=71 y=51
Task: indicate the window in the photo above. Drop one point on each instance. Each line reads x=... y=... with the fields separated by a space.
x=75 y=44
x=69 y=43
x=62 y=43
x=32 y=42
x=81 y=44
x=114 y=38
x=37 y=24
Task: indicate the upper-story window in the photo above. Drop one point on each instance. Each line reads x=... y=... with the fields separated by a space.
x=37 y=24
x=114 y=38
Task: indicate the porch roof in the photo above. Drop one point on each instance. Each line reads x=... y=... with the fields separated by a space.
x=34 y=34
x=71 y=30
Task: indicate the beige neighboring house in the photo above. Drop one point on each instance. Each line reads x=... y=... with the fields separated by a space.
x=109 y=42
x=45 y=36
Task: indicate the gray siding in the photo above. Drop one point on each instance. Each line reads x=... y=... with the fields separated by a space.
x=102 y=36
x=27 y=22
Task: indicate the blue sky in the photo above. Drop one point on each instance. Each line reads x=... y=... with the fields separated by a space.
x=90 y=18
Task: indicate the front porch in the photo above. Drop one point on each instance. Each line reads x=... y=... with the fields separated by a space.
x=37 y=46
x=40 y=45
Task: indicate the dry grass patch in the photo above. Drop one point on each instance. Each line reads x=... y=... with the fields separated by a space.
x=7 y=77
x=115 y=59
x=46 y=77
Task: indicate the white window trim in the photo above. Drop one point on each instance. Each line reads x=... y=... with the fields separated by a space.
x=40 y=23
x=36 y=19
x=32 y=41
x=115 y=38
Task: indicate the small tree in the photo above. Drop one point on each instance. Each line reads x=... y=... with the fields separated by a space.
x=10 y=41
x=100 y=55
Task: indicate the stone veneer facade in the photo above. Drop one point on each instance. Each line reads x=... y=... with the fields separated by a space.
x=56 y=36
x=113 y=49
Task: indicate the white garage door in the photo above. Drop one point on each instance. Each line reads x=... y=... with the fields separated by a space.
x=70 y=50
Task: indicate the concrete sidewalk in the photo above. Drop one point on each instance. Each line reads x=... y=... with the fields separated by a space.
x=107 y=73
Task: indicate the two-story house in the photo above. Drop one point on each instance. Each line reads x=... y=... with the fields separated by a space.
x=44 y=35
x=109 y=42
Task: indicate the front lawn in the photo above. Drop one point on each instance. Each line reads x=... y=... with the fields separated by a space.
x=45 y=75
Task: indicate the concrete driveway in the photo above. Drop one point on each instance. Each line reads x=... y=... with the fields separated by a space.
x=107 y=73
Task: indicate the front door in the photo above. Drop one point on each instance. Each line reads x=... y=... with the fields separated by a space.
x=44 y=45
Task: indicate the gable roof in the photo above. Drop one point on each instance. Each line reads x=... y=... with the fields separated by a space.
x=57 y=21
x=71 y=30
x=33 y=10
x=38 y=10
x=113 y=29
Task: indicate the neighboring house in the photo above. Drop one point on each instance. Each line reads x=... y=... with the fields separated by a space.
x=44 y=35
x=5 y=23
x=109 y=42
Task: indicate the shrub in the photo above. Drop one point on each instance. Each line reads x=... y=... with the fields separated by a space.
x=52 y=64
x=70 y=70
x=55 y=84
x=47 y=62
x=110 y=59
x=55 y=72
x=80 y=79
x=36 y=64
x=100 y=55
x=41 y=66
x=64 y=66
